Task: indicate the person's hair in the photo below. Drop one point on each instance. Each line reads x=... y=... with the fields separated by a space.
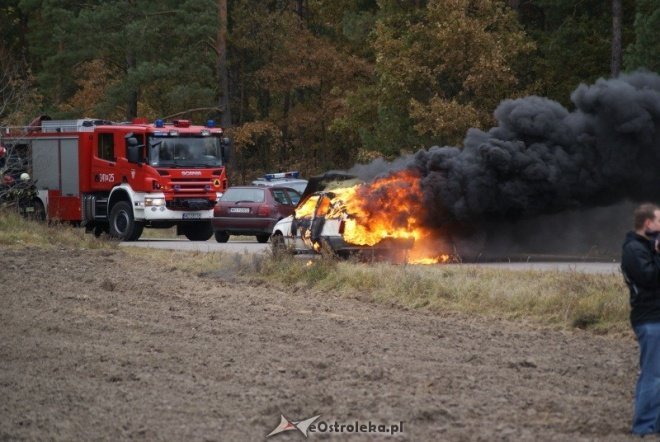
x=643 y=212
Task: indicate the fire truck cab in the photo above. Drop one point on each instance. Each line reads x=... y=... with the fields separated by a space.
x=122 y=177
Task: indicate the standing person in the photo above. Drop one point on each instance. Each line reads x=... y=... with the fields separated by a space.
x=640 y=264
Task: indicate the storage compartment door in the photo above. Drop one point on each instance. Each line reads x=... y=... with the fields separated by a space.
x=69 y=167
x=45 y=159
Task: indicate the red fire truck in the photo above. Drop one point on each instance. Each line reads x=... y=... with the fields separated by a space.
x=122 y=177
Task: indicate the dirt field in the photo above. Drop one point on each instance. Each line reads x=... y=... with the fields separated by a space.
x=98 y=345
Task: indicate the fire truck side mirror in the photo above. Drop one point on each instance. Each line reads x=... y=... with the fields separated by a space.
x=133 y=150
x=226 y=149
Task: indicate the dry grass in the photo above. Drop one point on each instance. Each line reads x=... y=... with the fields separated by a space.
x=16 y=231
x=564 y=299
x=169 y=233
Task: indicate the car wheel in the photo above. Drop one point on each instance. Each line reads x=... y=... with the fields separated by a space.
x=263 y=238
x=122 y=223
x=221 y=236
x=198 y=231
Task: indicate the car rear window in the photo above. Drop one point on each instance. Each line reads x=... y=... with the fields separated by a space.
x=251 y=195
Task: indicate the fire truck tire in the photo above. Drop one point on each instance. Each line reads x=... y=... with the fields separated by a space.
x=100 y=229
x=122 y=223
x=221 y=236
x=201 y=231
x=39 y=213
x=263 y=238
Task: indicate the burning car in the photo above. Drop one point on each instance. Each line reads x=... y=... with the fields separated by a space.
x=344 y=216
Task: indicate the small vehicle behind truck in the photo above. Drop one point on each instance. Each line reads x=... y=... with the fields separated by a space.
x=282 y=179
x=252 y=210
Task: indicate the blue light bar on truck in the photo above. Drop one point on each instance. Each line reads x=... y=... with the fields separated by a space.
x=274 y=176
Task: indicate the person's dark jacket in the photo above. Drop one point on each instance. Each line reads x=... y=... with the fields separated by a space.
x=640 y=264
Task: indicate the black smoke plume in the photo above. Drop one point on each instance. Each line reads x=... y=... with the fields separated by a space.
x=543 y=159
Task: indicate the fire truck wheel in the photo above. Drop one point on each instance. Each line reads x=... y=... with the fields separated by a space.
x=263 y=238
x=100 y=229
x=201 y=231
x=39 y=213
x=122 y=224
x=221 y=236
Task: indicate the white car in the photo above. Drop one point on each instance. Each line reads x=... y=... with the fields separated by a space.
x=315 y=228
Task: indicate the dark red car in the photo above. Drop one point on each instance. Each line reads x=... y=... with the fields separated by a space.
x=252 y=210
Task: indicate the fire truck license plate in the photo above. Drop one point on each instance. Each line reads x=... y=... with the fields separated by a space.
x=192 y=216
x=239 y=210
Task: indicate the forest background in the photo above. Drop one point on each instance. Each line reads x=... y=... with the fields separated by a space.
x=313 y=85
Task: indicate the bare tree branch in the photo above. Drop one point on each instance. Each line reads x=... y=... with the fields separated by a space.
x=190 y=111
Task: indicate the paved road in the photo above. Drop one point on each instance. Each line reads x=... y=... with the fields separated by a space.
x=582 y=267
x=251 y=246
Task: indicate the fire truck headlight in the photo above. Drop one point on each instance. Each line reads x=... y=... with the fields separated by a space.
x=218 y=195
x=154 y=202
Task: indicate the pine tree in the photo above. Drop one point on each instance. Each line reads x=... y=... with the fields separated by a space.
x=156 y=53
x=645 y=51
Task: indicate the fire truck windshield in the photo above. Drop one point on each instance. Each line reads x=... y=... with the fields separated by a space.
x=185 y=151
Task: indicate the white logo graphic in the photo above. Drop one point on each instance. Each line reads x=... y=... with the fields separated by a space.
x=191 y=172
x=286 y=425
x=132 y=173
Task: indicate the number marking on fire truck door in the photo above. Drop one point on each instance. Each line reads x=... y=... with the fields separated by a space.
x=106 y=177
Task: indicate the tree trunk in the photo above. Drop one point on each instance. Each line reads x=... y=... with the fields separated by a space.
x=241 y=79
x=285 y=127
x=616 y=38
x=223 y=75
x=132 y=104
x=131 y=64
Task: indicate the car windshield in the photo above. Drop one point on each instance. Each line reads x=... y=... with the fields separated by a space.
x=295 y=197
x=300 y=187
x=244 y=195
x=185 y=151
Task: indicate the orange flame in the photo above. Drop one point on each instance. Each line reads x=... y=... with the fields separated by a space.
x=389 y=207
x=427 y=261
